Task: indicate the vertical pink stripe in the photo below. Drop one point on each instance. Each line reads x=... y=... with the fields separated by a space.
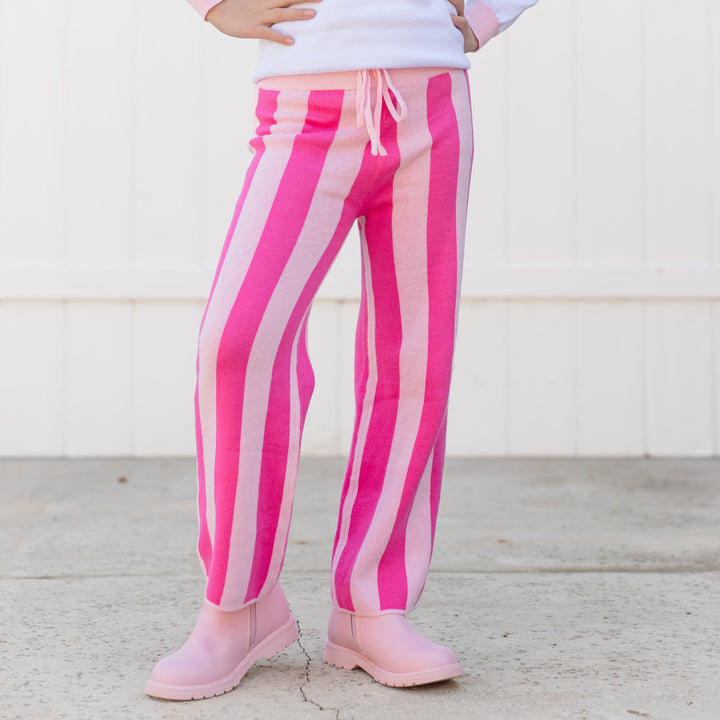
x=286 y=122
x=388 y=335
x=365 y=389
x=409 y=227
x=278 y=239
x=267 y=104
x=461 y=99
x=278 y=419
x=442 y=291
x=345 y=175
x=418 y=540
x=363 y=393
x=438 y=463
x=289 y=121
x=303 y=368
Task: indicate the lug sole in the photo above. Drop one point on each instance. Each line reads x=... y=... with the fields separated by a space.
x=347 y=659
x=282 y=638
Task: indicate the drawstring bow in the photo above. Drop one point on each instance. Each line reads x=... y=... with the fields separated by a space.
x=370 y=117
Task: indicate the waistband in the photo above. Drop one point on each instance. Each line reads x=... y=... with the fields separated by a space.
x=345 y=80
x=362 y=81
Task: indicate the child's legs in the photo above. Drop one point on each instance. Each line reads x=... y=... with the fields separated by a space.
x=254 y=376
x=412 y=254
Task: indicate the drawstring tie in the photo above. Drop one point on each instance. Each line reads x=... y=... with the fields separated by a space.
x=371 y=117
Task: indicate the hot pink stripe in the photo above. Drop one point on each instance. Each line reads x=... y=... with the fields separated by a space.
x=276 y=244
x=388 y=336
x=442 y=288
x=409 y=227
x=278 y=420
x=344 y=176
x=365 y=378
x=267 y=104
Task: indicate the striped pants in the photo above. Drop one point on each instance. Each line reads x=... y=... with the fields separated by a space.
x=325 y=157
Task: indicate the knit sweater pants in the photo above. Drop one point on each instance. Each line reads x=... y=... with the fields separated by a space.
x=324 y=158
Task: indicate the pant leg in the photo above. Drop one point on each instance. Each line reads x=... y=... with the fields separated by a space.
x=254 y=375
x=412 y=240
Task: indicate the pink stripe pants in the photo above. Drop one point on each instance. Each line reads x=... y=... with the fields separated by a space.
x=312 y=176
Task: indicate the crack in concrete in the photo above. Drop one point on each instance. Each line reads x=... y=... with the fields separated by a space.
x=696 y=569
x=303 y=686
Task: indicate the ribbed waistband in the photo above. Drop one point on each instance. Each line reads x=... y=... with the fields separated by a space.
x=345 y=80
x=365 y=82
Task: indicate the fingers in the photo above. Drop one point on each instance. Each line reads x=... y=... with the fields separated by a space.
x=471 y=43
x=287 y=4
x=286 y=15
x=278 y=15
x=255 y=18
x=266 y=33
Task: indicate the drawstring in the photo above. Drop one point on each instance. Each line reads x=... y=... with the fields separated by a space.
x=371 y=117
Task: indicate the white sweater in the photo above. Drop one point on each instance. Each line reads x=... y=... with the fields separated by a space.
x=360 y=34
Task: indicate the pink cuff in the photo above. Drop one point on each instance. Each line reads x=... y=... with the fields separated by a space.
x=203 y=6
x=482 y=21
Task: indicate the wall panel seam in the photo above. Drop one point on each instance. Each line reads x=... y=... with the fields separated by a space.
x=179 y=284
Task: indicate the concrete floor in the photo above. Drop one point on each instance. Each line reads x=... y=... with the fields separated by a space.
x=568 y=589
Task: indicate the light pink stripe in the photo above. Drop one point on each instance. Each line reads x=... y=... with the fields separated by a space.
x=271 y=324
x=408 y=219
x=387 y=339
x=271 y=562
x=442 y=287
x=438 y=463
x=256 y=194
x=346 y=163
x=462 y=101
x=279 y=237
x=366 y=378
x=421 y=526
x=418 y=543
x=204 y=539
x=324 y=231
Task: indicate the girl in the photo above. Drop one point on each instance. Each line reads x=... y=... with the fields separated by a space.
x=364 y=115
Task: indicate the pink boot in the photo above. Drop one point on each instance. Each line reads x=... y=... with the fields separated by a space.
x=388 y=648
x=222 y=647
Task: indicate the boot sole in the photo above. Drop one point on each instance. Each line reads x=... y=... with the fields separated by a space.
x=347 y=659
x=282 y=638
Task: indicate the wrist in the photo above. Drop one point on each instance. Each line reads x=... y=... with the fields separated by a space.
x=473 y=41
x=203 y=7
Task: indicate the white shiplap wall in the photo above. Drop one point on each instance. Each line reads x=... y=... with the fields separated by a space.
x=591 y=318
